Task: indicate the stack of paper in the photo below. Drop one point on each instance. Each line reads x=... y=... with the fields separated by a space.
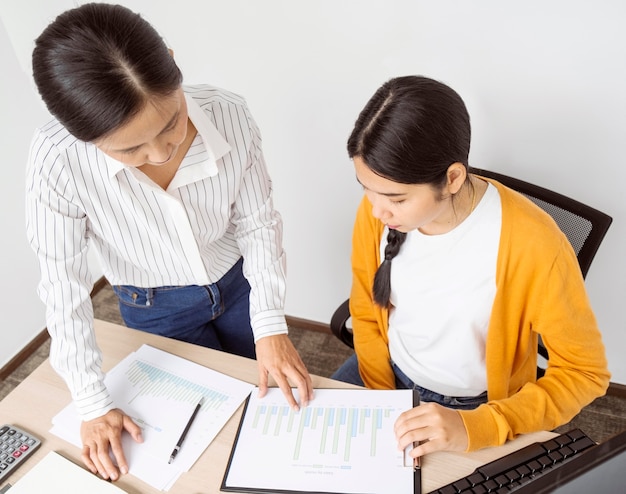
x=159 y=391
x=58 y=475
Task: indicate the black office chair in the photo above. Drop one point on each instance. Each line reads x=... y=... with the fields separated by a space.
x=584 y=226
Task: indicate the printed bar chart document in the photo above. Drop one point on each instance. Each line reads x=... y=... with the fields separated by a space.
x=343 y=443
x=160 y=391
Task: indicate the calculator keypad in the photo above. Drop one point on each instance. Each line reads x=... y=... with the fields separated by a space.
x=16 y=445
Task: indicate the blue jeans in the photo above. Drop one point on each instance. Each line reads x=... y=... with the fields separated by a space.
x=215 y=316
x=349 y=372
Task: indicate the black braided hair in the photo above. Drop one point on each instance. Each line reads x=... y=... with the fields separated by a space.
x=382 y=279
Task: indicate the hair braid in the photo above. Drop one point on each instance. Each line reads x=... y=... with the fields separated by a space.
x=382 y=279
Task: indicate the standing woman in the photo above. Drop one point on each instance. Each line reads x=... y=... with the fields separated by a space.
x=169 y=184
x=454 y=278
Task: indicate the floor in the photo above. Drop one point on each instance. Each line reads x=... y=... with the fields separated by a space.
x=323 y=353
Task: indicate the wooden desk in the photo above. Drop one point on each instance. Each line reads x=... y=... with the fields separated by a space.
x=43 y=394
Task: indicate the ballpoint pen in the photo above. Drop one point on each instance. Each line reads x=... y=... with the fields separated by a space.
x=418 y=461
x=186 y=430
x=417 y=475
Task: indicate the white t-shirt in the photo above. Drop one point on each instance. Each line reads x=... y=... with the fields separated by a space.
x=442 y=292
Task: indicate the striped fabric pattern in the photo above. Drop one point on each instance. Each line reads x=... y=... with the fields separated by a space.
x=217 y=208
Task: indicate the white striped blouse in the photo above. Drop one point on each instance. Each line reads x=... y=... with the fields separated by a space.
x=217 y=209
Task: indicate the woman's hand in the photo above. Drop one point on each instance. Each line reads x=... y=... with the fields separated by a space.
x=435 y=427
x=277 y=356
x=104 y=433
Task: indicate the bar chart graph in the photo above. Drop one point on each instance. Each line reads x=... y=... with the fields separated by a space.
x=148 y=380
x=333 y=428
x=335 y=444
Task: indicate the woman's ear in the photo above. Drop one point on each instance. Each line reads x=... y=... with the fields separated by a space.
x=171 y=52
x=457 y=173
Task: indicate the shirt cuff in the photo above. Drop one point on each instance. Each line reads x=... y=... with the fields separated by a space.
x=93 y=403
x=269 y=323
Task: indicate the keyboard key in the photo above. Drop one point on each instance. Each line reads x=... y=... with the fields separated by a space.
x=479 y=489
x=461 y=485
x=551 y=445
x=491 y=485
x=475 y=478
x=576 y=434
x=555 y=456
x=512 y=476
x=545 y=461
x=582 y=444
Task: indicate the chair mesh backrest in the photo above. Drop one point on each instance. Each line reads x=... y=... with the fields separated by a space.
x=576 y=228
x=583 y=225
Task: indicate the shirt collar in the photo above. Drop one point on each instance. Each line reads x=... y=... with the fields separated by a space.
x=215 y=144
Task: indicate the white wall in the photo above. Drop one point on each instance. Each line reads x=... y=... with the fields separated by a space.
x=544 y=83
x=21 y=313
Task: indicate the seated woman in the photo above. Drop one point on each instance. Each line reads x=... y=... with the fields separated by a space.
x=454 y=278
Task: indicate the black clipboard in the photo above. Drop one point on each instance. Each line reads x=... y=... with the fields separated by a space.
x=230 y=486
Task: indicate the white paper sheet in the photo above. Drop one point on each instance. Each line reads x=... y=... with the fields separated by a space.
x=55 y=474
x=342 y=442
x=159 y=391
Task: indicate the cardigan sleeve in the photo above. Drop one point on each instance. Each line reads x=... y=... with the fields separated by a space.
x=540 y=292
x=369 y=322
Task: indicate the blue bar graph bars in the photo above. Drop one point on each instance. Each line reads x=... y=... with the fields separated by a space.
x=334 y=427
x=152 y=381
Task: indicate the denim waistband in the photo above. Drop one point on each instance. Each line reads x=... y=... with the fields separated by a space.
x=426 y=395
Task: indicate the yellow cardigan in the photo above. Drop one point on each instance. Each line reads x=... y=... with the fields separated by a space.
x=540 y=291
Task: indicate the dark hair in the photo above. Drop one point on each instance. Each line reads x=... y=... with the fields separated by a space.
x=96 y=66
x=410 y=132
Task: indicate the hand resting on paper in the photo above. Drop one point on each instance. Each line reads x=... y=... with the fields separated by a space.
x=435 y=427
x=276 y=356
x=103 y=434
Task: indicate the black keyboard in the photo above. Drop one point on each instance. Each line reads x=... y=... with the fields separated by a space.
x=516 y=469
